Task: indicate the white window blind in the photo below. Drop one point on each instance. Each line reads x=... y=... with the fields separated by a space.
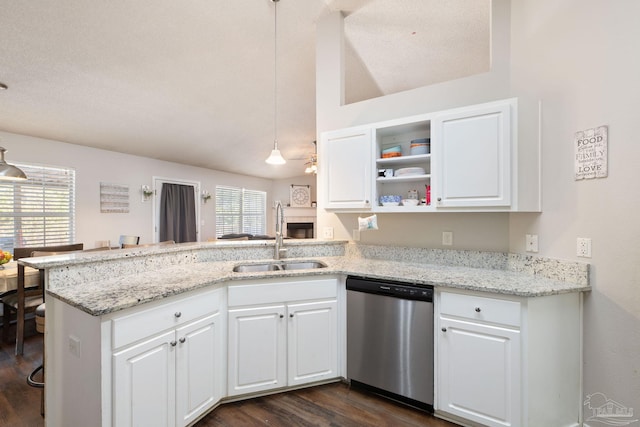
x=239 y=210
x=39 y=211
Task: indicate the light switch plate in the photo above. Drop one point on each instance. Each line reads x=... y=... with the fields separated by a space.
x=327 y=232
x=531 y=242
x=447 y=238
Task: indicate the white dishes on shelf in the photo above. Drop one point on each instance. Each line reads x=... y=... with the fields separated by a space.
x=390 y=200
x=410 y=202
x=409 y=171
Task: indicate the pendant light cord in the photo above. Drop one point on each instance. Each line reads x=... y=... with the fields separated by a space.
x=275 y=73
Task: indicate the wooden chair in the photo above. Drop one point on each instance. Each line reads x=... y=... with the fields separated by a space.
x=40 y=322
x=25 y=301
x=129 y=240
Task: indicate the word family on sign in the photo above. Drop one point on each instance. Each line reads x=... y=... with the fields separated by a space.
x=591 y=153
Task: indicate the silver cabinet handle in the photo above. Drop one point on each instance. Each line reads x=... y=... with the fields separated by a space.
x=173 y=343
x=444 y=329
x=177 y=314
x=478 y=310
x=182 y=340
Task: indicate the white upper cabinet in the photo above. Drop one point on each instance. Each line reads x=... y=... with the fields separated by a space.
x=477 y=162
x=346 y=165
x=473 y=156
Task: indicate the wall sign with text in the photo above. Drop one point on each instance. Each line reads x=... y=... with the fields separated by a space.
x=591 y=153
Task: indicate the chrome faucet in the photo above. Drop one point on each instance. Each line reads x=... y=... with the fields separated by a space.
x=278 y=250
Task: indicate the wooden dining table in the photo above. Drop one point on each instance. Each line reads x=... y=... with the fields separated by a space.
x=8 y=277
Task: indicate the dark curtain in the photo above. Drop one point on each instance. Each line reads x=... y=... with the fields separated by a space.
x=177 y=213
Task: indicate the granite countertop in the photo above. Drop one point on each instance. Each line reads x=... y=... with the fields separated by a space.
x=100 y=297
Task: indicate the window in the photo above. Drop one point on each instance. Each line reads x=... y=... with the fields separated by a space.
x=239 y=210
x=39 y=211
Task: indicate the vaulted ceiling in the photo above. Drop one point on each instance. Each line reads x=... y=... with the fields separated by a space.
x=193 y=81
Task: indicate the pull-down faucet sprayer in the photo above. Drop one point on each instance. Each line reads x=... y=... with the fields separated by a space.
x=278 y=250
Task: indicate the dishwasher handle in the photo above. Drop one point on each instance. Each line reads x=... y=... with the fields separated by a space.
x=390 y=288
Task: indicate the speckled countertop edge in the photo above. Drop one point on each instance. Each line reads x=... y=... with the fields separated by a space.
x=114 y=294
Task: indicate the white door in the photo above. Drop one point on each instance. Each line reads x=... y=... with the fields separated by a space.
x=312 y=342
x=346 y=165
x=479 y=372
x=145 y=374
x=472 y=151
x=257 y=349
x=198 y=368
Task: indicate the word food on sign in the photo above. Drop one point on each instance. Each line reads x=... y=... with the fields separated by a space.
x=591 y=153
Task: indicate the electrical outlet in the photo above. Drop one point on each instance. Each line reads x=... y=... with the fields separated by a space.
x=447 y=238
x=531 y=242
x=356 y=235
x=583 y=247
x=327 y=232
x=74 y=345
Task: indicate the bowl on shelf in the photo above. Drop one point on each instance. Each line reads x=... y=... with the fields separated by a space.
x=410 y=202
x=390 y=200
x=420 y=146
x=395 y=151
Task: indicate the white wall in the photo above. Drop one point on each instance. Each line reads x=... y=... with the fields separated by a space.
x=580 y=57
x=94 y=166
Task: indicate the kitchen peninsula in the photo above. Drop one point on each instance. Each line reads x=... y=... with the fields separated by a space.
x=178 y=303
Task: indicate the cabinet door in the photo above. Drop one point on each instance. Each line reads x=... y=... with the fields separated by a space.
x=144 y=383
x=346 y=165
x=479 y=372
x=257 y=353
x=472 y=148
x=312 y=342
x=198 y=368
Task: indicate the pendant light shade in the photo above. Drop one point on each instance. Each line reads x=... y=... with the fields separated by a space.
x=9 y=172
x=275 y=158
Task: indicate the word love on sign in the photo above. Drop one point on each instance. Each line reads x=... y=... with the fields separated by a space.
x=591 y=153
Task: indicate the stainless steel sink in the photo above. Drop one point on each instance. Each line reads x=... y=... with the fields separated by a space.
x=278 y=266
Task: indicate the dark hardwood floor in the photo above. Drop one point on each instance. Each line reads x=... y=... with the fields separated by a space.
x=20 y=403
x=328 y=405
x=335 y=405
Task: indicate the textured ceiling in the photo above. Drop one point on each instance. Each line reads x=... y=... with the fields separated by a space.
x=193 y=82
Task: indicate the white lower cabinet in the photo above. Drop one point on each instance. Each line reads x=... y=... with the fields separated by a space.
x=495 y=364
x=281 y=334
x=256 y=349
x=479 y=372
x=173 y=376
x=144 y=383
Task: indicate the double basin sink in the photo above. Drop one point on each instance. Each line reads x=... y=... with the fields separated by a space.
x=278 y=266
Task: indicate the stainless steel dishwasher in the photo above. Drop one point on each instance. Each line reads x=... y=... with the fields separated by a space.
x=390 y=339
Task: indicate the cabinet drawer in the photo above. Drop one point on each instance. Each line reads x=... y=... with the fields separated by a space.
x=278 y=292
x=146 y=322
x=480 y=308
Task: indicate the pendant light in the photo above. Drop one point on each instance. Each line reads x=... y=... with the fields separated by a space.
x=275 y=158
x=9 y=172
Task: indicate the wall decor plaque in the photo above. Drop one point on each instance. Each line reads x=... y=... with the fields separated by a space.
x=114 y=198
x=300 y=196
x=591 y=153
